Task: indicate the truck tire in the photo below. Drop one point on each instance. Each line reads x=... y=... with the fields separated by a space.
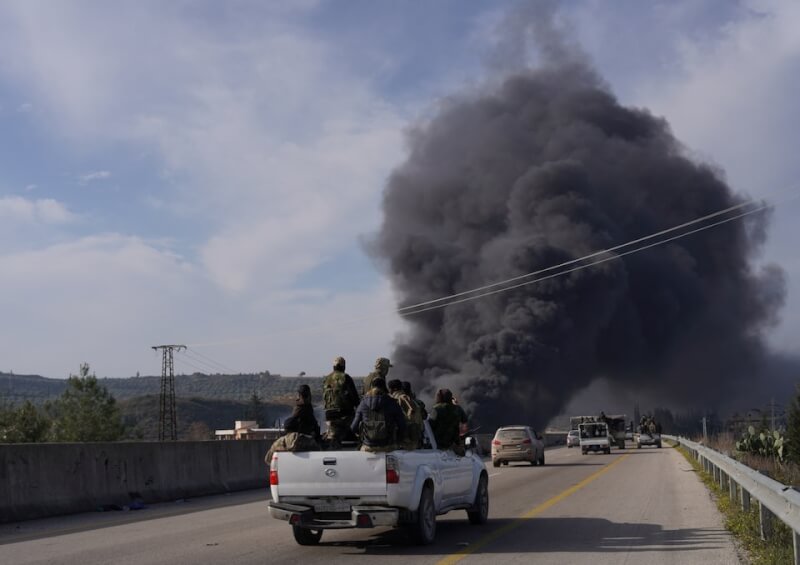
x=304 y=536
x=658 y=445
x=607 y=451
x=541 y=459
x=495 y=463
x=479 y=513
x=424 y=527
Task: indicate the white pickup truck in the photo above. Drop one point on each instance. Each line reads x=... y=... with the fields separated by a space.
x=594 y=436
x=319 y=490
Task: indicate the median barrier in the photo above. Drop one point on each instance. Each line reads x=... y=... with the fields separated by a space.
x=48 y=479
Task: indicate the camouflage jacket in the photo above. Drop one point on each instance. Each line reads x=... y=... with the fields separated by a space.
x=445 y=420
x=409 y=407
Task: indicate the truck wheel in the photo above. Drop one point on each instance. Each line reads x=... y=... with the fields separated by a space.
x=658 y=445
x=304 y=536
x=479 y=513
x=495 y=463
x=424 y=528
x=607 y=451
x=541 y=459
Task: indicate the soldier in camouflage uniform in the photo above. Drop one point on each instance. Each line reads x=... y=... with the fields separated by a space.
x=410 y=411
x=382 y=366
x=446 y=419
x=340 y=399
x=422 y=409
x=379 y=422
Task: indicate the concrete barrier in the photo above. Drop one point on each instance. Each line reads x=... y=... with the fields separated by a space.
x=39 y=480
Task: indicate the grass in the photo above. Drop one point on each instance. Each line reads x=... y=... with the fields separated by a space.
x=745 y=526
x=786 y=473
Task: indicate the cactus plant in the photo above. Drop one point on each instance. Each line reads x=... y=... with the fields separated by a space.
x=765 y=444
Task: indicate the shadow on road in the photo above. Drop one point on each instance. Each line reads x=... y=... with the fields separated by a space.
x=540 y=535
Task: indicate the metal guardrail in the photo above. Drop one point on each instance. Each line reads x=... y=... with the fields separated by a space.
x=743 y=484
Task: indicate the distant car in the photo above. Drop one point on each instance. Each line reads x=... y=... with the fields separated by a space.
x=573 y=439
x=517 y=443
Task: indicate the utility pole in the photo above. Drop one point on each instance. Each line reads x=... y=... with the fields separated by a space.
x=167 y=417
x=705 y=430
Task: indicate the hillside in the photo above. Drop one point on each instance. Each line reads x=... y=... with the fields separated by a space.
x=270 y=388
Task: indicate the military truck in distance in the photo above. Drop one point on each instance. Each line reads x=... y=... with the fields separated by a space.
x=594 y=437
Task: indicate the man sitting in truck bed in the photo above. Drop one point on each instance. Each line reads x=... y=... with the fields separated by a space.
x=446 y=419
x=379 y=421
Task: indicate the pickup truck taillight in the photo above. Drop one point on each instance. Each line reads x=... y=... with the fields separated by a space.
x=273 y=471
x=392 y=477
x=496 y=442
x=527 y=441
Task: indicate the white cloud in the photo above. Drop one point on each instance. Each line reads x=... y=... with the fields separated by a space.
x=30 y=187
x=40 y=211
x=25 y=107
x=93 y=176
x=266 y=139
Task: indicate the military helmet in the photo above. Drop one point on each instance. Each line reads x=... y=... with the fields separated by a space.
x=382 y=363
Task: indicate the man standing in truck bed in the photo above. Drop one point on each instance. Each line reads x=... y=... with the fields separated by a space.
x=340 y=399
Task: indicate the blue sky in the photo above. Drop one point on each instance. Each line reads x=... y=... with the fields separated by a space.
x=206 y=173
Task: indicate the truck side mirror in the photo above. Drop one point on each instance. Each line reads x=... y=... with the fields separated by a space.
x=470 y=442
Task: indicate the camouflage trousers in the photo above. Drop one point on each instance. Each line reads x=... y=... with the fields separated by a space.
x=378 y=449
x=338 y=430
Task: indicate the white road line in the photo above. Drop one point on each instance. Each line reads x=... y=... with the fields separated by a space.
x=493 y=474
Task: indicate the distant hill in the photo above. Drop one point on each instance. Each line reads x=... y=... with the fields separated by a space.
x=270 y=388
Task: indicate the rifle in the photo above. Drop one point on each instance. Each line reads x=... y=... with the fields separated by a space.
x=470 y=431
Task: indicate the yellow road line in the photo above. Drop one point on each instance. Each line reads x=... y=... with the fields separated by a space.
x=490 y=537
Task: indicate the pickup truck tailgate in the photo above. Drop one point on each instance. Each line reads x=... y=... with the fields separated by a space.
x=331 y=473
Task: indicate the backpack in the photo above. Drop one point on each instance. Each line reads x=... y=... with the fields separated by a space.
x=374 y=430
x=334 y=393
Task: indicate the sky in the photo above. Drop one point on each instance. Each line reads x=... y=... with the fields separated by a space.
x=209 y=174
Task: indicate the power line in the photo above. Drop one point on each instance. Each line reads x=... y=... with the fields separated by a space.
x=586 y=266
x=203 y=370
x=211 y=361
x=445 y=301
x=579 y=259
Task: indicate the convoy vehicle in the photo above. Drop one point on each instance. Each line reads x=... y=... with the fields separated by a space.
x=573 y=439
x=319 y=490
x=594 y=437
x=517 y=443
x=649 y=433
x=616 y=426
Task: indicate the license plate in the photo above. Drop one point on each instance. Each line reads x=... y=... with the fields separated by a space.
x=332 y=505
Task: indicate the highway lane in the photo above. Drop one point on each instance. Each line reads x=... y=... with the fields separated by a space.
x=634 y=506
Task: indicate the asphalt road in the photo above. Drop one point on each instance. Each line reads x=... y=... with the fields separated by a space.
x=630 y=507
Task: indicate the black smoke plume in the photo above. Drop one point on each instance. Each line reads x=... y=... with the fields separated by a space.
x=542 y=168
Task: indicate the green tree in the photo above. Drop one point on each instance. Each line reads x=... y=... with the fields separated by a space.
x=793 y=428
x=86 y=411
x=26 y=424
